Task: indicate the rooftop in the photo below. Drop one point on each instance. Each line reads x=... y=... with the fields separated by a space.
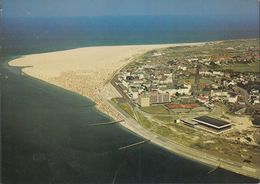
x=215 y=123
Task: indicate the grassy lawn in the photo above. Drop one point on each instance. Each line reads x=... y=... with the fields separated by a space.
x=206 y=81
x=158 y=109
x=127 y=108
x=191 y=80
x=166 y=119
x=163 y=131
x=180 y=137
x=184 y=129
x=239 y=67
x=222 y=148
x=218 y=110
x=144 y=121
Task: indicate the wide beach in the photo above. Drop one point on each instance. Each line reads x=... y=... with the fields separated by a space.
x=84 y=70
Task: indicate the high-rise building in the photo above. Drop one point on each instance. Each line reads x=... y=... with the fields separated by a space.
x=157 y=98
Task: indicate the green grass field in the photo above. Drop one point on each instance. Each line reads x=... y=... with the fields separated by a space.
x=163 y=131
x=127 y=108
x=166 y=119
x=239 y=67
x=158 y=109
x=144 y=121
x=191 y=80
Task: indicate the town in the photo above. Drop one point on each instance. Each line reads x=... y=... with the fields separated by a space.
x=184 y=93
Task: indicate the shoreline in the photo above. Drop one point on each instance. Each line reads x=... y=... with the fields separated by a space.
x=61 y=69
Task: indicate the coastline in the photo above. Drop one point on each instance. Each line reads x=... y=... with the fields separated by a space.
x=61 y=69
x=70 y=69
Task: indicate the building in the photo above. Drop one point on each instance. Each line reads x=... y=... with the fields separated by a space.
x=157 y=98
x=144 y=101
x=219 y=93
x=212 y=125
x=134 y=93
x=232 y=98
x=216 y=73
x=125 y=84
x=183 y=90
x=192 y=124
x=183 y=68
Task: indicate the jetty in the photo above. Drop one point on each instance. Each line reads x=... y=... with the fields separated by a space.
x=105 y=123
x=214 y=169
x=134 y=144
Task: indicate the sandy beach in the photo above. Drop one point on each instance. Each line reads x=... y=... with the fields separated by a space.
x=87 y=71
x=84 y=70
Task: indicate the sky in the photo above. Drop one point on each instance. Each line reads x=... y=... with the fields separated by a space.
x=71 y=8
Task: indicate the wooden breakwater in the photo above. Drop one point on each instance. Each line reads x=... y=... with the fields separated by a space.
x=105 y=123
x=134 y=144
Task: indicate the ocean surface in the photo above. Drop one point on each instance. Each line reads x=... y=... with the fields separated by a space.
x=45 y=132
x=27 y=35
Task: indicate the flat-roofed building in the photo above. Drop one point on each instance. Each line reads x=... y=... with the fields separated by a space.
x=212 y=125
x=144 y=101
x=192 y=124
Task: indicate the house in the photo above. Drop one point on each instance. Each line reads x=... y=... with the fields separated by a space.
x=202 y=99
x=256 y=101
x=206 y=73
x=218 y=73
x=183 y=68
x=219 y=93
x=232 y=97
x=183 y=90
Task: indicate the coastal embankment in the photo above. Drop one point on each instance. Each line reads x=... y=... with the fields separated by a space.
x=87 y=71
